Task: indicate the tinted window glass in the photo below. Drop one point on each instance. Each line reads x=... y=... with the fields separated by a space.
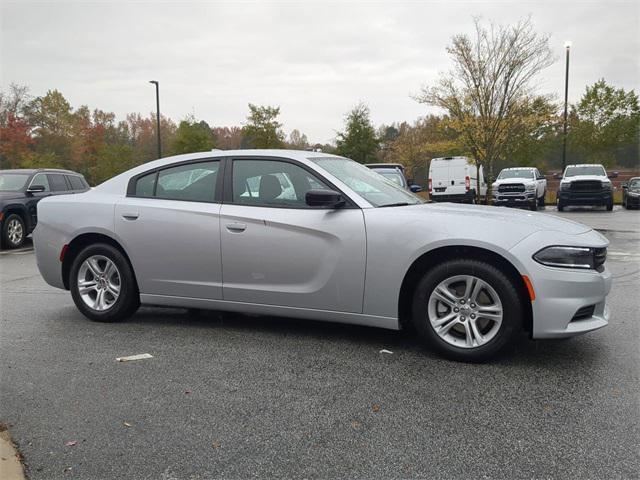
x=41 y=179
x=76 y=182
x=272 y=183
x=145 y=185
x=194 y=182
x=57 y=182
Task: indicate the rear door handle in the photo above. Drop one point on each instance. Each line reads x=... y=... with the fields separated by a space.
x=236 y=227
x=130 y=215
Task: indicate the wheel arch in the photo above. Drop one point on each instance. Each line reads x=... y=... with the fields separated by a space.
x=83 y=240
x=442 y=254
x=18 y=209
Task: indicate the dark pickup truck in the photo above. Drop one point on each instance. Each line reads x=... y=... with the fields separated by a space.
x=20 y=192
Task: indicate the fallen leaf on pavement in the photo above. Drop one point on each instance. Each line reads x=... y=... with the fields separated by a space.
x=376 y=407
x=187 y=392
x=140 y=356
x=216 y=444
x=386 y=351
x=126 y=424
x=355 y=424
x=71 y=443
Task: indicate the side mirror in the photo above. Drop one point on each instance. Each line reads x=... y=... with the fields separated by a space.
x=614 y=174
x=415 y=188
x=625 y=186
x=557 y=176
x=324 y=198
x=35 y=189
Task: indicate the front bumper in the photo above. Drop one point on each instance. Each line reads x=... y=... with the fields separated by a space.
x=633 y=200
x=521 y=198
x=569 y=197
x=563 y=295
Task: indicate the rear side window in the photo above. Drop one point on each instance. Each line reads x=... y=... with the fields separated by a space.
x=57 y=182
x=76 y=182
x=194 y=182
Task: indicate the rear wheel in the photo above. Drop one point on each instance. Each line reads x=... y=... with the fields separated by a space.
x=13 y=231
x=610 y=206
x=102 y=284
x=560 y=206
x=467 y=310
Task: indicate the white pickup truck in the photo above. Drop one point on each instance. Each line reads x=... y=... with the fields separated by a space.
x=520 y=186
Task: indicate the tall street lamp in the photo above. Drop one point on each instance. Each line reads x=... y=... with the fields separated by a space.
x=157 y=84
x=567 y=46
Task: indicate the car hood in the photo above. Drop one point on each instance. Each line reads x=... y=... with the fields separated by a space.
x=10 y=195
x=490 y=217
x=506 y=181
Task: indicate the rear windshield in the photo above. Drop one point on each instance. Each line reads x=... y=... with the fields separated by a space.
x=515 y=174
x=585 y=170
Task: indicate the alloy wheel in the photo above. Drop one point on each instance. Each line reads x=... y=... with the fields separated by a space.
x=99 y=283
x=15 y=232
x=465 y=311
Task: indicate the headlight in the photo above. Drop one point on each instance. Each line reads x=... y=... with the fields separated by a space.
x=584 y=258
x=608 y=185
x=564 y=186
x=530 y=187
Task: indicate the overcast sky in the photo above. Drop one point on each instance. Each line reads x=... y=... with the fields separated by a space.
x=313 y=59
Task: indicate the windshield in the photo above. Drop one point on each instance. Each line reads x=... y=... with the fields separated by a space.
x=371 y=186
x=13 y=182
x=395 y=177
x=515 y=174
x=634 y=184
x=585 y=170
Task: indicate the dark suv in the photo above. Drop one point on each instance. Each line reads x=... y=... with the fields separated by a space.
x=20 y=192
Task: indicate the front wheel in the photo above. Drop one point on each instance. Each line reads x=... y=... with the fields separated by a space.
x=560 y=206
x=102 y=284
x=610 y=206
x=467 y=310
x=13 y=231
x=533 y=206
x=541 y=199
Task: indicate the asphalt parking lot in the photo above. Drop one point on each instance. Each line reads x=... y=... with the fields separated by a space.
x=231 y=396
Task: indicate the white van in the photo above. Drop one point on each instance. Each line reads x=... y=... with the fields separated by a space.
x=454 y=179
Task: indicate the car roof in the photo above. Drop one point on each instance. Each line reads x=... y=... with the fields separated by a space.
x=384 y=165
x=38 y=170
x=586 y=165
x=520 y=168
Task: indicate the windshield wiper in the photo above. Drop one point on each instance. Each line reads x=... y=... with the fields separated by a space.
x=399 y=204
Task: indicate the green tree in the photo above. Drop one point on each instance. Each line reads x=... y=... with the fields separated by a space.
x=488 y=93
x=297 y=140
x=605 y=126
x=192 y=136
x=263 y=129
x=359 y=141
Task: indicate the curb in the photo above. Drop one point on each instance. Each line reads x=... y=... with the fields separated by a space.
x=10 y=458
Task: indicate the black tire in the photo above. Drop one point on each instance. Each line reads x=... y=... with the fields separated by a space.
x=14 y=231
x=128 y=299
x=541 y=199
x=512 y=321
x=533 y=206
x=560 y=206
x=610 y=206
x=624 y=202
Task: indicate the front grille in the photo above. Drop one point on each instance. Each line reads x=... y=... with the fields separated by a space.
x=586 y=186
x=511 y=188
x=584 y=313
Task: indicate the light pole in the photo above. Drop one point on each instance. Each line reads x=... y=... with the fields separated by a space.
x=157 y=84
x=567 y=46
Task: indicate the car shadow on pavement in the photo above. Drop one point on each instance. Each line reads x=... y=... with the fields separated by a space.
x=552 y=354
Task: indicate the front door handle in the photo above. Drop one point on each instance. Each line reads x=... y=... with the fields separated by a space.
x=130 y=215
x=236 y=227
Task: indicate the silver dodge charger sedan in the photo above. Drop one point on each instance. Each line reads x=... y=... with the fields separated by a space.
x=317 y=236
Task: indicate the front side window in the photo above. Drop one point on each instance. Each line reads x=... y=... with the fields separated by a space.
x=271 y=183
x=40 y=179
x=374 y=188
x=57 y=182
